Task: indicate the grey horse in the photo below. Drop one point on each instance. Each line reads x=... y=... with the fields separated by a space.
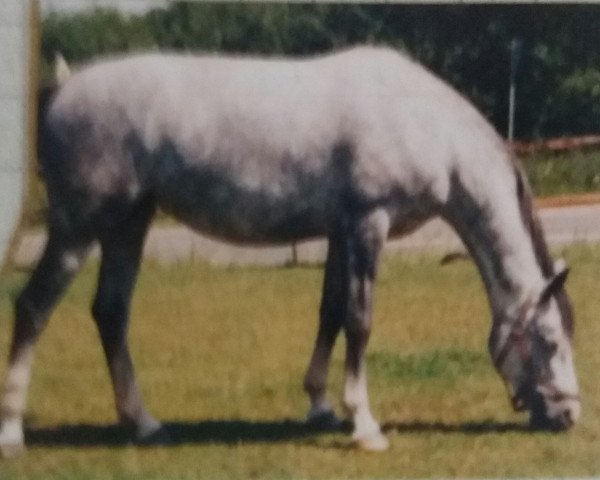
x=356 y=146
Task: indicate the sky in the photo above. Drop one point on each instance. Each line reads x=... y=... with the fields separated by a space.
x=127 y=6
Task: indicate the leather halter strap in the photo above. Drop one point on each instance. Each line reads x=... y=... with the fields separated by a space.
x=517 y=337
x=555 y=395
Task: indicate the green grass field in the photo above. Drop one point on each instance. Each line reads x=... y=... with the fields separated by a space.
x=220 y=355
x=573 y=172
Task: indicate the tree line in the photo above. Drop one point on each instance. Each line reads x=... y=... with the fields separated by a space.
x=557 y=76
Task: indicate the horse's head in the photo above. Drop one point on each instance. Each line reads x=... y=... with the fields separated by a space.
x=532 y=351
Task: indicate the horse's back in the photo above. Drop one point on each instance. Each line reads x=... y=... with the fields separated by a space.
x=261 y=149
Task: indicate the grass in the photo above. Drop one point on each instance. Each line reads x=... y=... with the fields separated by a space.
x=447 y=365
x=577 y=171
x=220 y=355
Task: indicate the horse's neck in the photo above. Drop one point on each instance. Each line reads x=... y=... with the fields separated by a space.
x=487 y=215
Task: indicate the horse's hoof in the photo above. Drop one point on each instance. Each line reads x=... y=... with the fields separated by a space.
x=12 y=441
x=376 y=442
x=12 y=449
x=156 y=436
x=324 y=420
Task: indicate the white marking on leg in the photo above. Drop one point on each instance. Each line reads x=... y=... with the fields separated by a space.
x=367 y=433
x=12 y=439
x=16 y=385
x=13 y=404
x=357 y=405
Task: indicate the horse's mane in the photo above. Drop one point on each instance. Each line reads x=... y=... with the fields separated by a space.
x=542 y=252
x=532 y=222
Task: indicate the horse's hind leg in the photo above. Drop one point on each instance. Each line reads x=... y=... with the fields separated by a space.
x=366 y=236
x=332 y=315
x=121 y=253
x=62 y=257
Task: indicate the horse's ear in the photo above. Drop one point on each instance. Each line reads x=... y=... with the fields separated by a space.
x=62 y=72
x=556 y=282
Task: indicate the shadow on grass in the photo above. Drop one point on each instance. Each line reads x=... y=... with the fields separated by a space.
x=475 y=428
x=179 y=433
x=239 y=431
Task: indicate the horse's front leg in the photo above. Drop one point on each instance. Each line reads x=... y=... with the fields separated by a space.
x=365 y=240
x=121 y=253
x=332 y=314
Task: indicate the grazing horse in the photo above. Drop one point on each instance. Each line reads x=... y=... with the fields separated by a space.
x=356 y=146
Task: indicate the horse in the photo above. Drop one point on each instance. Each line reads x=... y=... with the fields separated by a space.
x=357 y=146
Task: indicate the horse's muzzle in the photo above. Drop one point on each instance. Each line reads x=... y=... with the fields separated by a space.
x=562 y=420
x=559 y=423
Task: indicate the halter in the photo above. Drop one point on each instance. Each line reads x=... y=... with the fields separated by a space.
x=519 y=338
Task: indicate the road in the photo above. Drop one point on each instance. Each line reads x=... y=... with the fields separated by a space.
x=563 y=225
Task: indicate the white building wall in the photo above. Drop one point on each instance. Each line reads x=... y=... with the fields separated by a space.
x=14 y=21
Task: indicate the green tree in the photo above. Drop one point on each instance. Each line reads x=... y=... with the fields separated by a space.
x=468 y=45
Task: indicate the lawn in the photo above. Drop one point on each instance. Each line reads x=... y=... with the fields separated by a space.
x=221 y=352
x=562 y=173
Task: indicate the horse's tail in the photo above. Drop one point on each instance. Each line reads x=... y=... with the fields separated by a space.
x=62 y=71
x=46 y=93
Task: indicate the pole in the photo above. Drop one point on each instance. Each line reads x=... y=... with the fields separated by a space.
x=515 y=54
x=511 y=109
